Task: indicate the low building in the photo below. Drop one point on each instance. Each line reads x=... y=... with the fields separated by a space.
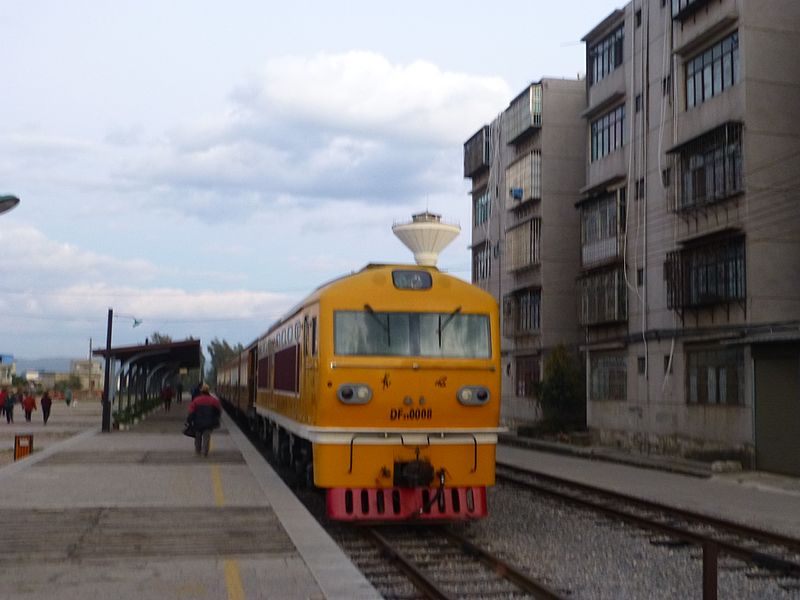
x=8 y=369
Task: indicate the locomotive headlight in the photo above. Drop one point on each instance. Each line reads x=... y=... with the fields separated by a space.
x=354 y=393
x=473 y=395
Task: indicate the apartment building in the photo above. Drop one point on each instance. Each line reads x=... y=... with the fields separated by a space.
x=689 y=293
x=526 y=168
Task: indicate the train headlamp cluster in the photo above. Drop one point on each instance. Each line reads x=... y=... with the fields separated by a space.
x=354 y=393
x=473 y=395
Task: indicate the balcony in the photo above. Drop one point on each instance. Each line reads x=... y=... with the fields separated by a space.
x=477 y=151
x=523 y=245
x=522 y=312
x=524 y=114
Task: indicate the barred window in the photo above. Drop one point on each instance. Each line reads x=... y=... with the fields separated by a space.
x=607 y=132
x=715 y=376
x=603 y=297
x=524 y=179
x=527 y=376
x=606 y=55
x=707 y=274
x=481 y=209
x=710 y=167
x=481 y=262
x=713 y=71
x=522 y=312
x=522 y=245
x=683 y=8
x=602 y=222
x=608 y=378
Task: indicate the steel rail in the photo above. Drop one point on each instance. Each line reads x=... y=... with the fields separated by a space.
x=710 y=545
x=503 y=569
x=420 y=580
x=768 y=537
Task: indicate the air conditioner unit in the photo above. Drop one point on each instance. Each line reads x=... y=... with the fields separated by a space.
x=516 y=193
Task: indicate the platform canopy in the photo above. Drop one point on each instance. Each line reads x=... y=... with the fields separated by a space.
x=179 y=355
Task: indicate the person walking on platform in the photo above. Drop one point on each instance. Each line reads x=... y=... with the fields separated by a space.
x=204 y=414
x=179 y=393
x=166 y=397
x=3 y=396
x=46 y=403
x=11 y=399
x=28 y=405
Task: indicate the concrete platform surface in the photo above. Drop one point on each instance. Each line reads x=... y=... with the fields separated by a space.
x=136 y=515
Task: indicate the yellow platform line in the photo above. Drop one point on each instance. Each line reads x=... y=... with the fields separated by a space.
x=233 y=579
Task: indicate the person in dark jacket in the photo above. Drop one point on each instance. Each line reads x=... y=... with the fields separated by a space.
x=46 y=403
x=204 y=414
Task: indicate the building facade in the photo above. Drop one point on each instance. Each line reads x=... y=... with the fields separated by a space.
x=689 y=295
x=526 y=168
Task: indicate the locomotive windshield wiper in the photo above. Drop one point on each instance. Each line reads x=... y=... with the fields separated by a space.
x=449 y=318
x=385 y=326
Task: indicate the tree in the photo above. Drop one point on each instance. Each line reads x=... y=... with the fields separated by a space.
x=160 y=338
x=221 y=352
x=562 y=391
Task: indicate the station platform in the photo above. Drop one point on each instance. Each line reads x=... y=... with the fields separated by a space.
x=136 y=514
x=755 y=498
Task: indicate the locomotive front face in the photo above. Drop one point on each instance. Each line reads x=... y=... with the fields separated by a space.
x=414 y=384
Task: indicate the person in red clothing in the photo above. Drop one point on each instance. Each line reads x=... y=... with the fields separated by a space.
x=204 y=414
x=28 y=405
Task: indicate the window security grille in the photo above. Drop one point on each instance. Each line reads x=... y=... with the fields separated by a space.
x=522 y=245
x=706 y=275
x=603 y=297
x=522 y=312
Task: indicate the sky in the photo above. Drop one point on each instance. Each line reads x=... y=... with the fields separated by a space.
x=201 y=166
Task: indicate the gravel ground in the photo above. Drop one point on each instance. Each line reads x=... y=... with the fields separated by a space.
x=592 y=557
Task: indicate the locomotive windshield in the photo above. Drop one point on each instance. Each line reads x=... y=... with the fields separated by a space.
x=450 y=335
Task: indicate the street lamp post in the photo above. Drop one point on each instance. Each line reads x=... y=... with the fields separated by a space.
x=107 y=378
x=106 y=425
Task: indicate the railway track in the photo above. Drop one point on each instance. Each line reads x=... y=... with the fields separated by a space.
x=437 y=563
x=773 y=554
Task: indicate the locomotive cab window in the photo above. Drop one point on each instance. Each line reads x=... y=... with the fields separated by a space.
x=452 y=335
x=412 y=280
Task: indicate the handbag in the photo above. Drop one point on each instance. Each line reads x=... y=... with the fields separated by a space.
x=188 y=429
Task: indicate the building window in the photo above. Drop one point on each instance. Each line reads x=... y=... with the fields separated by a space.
x=527 y=376
x=638 y=102
x=667 y=364
x=683 y=8
x=481 y=209
x=603 y=297
x=481 y=262
x=522 y=245
x=641 y=364
x=640 y=277
x=666 y=176
x=713 y=71
x=524 y=179
x=638 y=17
x=606 y=55
x=706 y=274
x=608 y=377
x=666 y=86
x=607 y=132
x=522 y=312
x=640 y=188
x=710 y=167
x=602 y=225
x=715 y=376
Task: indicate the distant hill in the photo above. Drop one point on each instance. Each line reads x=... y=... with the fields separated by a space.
x=49 y=365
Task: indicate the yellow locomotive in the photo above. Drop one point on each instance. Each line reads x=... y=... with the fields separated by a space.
x=383 y=387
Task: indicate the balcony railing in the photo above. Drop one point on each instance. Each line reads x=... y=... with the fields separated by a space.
x=524 y=179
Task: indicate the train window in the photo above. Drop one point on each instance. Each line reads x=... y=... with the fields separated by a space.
x=452 y=335
x=412 y=280
x=314 y=336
